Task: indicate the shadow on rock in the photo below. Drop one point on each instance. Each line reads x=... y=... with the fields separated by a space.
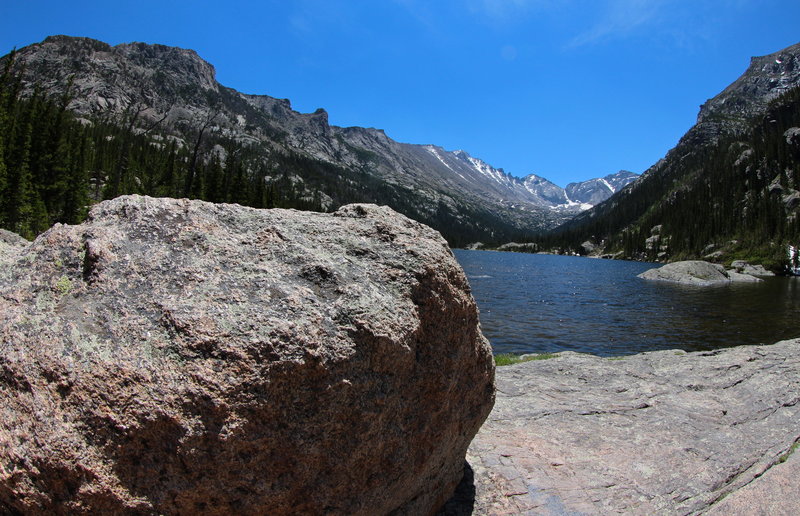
x=462 y=502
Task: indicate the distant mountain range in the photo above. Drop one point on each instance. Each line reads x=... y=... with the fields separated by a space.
x=729 y=189
x=595 y=191
x=168 y=92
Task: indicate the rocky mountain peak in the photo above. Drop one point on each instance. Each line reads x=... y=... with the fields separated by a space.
x=547 y=190
x=766 y=78
x=106 y=77
x=180 y=62
x=63 y=40
x=595 y=191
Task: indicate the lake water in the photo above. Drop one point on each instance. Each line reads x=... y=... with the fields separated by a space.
x=543 y=303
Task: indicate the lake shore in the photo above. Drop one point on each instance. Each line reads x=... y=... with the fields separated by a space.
x=662 y=432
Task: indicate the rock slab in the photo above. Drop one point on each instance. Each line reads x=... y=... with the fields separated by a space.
x=665 y=432
x=179 y=357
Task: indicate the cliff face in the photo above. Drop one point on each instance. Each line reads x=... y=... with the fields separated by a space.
x=180 y=357
x=765 y=79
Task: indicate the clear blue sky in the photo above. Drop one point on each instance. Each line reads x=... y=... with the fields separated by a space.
x=567 y=89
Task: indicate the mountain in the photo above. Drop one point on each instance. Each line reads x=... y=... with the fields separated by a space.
x=171 y=95
x=595 y=191
x=729 y=189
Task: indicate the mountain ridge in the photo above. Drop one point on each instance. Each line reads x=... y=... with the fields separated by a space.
x=156 y=84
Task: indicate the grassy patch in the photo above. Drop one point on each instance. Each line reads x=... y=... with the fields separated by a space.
x=504 y=359
x=789 y=452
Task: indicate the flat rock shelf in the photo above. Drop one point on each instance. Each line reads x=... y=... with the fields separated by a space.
x=664 y=432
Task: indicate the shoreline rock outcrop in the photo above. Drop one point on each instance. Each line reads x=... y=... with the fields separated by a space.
x=663 y=432
x=745 y=267
x=696 y=272
x=180 y=357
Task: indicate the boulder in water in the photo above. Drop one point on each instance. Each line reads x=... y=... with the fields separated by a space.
x=696 y=272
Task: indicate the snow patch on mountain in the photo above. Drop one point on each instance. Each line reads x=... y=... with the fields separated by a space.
x=483 y=168
x=432 y=150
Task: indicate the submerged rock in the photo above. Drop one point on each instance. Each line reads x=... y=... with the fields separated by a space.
x=665 y=432
x=179 y=357
x=695 y=272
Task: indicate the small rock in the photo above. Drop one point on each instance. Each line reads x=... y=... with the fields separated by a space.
x=741 y=277
x=792 y=136
x=10 y=244
x=754 y=270
x=475 y=246
x=716 y=255
x=588 y=247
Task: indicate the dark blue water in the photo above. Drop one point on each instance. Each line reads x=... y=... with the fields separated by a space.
x=544 y=303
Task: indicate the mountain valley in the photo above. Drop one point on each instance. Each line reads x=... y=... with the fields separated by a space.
x=84 y=121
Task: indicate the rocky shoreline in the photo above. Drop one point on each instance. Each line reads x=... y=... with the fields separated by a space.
x=663 y=432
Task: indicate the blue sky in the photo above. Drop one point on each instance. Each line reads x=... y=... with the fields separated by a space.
x=567 y=89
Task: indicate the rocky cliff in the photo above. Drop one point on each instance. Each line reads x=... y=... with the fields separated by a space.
x=181 y=357
x=765 y=79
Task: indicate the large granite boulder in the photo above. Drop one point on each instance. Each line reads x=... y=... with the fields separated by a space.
x=696 y=272
x=179 y=357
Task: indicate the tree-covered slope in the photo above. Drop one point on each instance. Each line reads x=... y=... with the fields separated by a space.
x=728 y=190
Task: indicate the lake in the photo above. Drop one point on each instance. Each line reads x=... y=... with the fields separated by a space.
x=533 y=303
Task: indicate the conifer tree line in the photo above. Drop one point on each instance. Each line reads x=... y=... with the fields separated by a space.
x=738 y=195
